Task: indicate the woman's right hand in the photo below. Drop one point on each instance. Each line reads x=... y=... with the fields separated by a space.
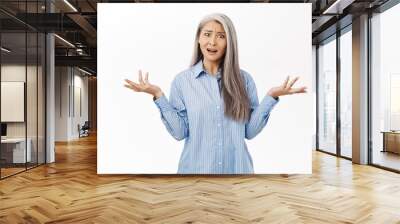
x=144 y=86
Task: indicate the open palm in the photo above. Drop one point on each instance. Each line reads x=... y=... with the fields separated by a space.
x=144 y=85
x=286 y=88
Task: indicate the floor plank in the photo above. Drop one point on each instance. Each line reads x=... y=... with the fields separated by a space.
x=70 y=191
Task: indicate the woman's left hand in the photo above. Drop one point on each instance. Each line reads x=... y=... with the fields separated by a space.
x=286 y=88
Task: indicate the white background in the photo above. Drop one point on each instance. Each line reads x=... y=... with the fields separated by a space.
x=274 y=41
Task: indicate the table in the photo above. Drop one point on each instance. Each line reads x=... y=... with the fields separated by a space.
x=17 y=150
x=391 y=141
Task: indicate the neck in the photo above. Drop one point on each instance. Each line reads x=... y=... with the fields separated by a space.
x=211 y=67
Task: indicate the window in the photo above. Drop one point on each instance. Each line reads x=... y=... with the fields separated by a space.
x=327 y=96
x=385 y=88
x=346 y=93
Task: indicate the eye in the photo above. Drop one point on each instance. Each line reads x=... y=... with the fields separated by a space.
x=207 y=34
x=221 y=36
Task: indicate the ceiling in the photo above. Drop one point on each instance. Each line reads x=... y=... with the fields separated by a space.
x=76 y=22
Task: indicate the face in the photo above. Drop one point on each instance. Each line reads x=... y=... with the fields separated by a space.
x=212 y=41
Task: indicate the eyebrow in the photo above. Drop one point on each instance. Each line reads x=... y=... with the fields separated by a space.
x=212 y=31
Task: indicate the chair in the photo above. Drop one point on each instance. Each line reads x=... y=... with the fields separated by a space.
x=84 y=130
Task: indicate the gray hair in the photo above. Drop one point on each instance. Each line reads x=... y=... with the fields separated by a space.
x=237 y=103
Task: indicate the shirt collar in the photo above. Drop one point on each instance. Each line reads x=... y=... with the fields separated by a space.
x=198 y=69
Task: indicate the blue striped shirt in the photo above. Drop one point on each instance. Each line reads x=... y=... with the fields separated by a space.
x=214 y=143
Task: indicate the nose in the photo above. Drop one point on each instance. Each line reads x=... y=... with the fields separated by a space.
x=211 y=41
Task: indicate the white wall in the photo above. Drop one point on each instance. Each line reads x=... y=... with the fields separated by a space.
x=79 y=117
x=34 y=125
x=61 y=103
x=68 y=83
x=15 y=72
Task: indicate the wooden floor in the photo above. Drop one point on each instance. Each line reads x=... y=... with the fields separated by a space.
x=5 y=172
x=387 y=159
x=70 y=191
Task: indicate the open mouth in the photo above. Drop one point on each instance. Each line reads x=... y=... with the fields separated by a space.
x=212 y=51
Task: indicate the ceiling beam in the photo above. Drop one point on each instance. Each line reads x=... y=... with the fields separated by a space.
x=85 y=61
x=337 y=6
x=85 y=25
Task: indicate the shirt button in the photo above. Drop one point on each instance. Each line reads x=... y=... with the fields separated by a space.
x=217 y=107
x=219 y=124
x=220 y=143
x=219 y=163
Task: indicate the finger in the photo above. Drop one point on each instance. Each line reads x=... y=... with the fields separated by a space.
x=132 y=87
x=128 y=81
x=291 y=83
x=146 y=78
x=132 y=83
x=286 y=82
x=298 y=90
x=136 y=86
x=140 y=77
x=128 y=86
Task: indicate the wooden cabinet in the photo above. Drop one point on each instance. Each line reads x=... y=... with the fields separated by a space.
x=391 y=142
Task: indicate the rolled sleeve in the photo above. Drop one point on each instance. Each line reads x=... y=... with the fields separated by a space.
x=163 y=104
x=267 y=104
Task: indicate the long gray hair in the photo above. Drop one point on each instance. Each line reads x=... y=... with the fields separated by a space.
x=237 y=104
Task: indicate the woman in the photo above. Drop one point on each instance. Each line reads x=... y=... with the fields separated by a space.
x=213 y=105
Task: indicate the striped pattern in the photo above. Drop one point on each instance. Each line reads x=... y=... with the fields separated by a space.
x=214 y=143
